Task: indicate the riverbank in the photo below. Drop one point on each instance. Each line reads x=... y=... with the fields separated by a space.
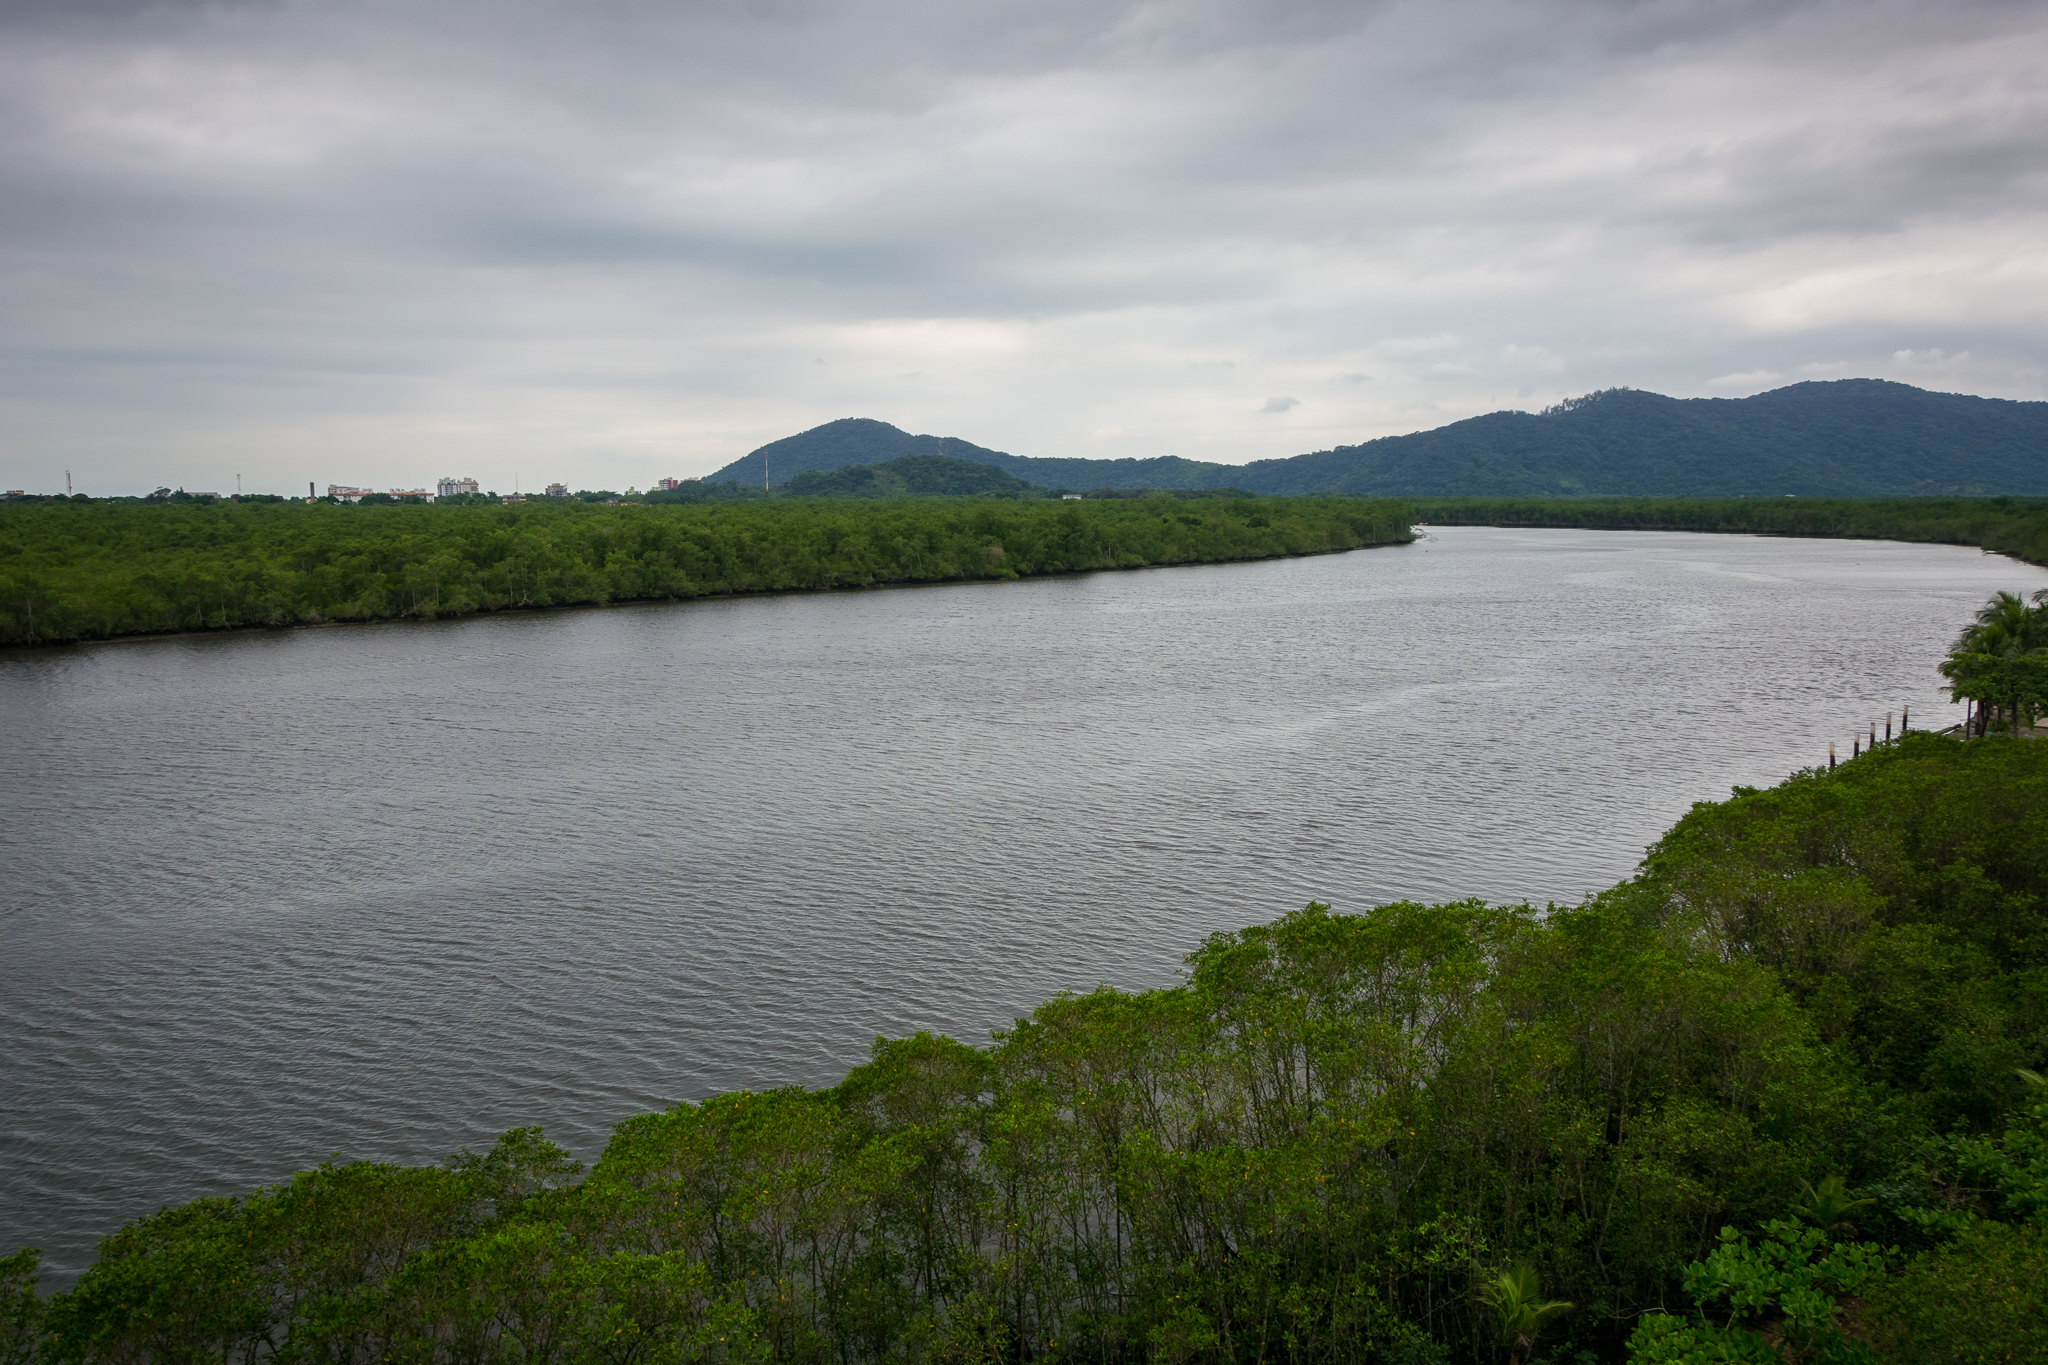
x=106 y=570
x=2009 y=526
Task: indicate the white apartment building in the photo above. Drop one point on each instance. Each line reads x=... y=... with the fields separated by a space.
x=449 y=487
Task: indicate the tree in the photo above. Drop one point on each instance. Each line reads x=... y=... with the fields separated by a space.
x=2001 y=658
x=1518 y=1306
x=21 y=1311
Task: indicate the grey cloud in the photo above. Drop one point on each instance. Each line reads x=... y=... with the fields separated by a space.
x=380 y=232
x=24 y=13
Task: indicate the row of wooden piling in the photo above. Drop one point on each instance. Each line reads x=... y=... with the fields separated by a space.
x=1857 y=745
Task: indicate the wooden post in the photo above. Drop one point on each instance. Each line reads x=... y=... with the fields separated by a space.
x=1905 y=714
x=1887 y=727
x=1831 y=758
x=1856 y=747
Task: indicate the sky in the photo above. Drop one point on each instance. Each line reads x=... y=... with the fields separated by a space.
x=607 y=241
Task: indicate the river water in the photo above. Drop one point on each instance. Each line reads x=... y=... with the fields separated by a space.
x=384 y=891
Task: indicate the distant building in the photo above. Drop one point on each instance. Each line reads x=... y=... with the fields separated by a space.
x=1070 y=497
x=410 y=493
x=558 y=490
x=448 y=488
x=668 y=485
x=335 y=490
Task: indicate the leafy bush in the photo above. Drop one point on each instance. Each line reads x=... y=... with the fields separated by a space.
x=1780 y=1298
x=1980 y=1299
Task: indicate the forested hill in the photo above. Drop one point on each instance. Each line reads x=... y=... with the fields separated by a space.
x=912 y=476
x=1843 y=438
x=864 y=441
x=848 y=441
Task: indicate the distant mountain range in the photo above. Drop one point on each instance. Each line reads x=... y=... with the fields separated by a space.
x=1840 y=438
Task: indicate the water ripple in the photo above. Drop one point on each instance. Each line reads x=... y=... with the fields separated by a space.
x=384 y=891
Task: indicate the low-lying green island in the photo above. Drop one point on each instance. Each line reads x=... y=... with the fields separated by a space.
x=93 y=570
x=1774 y=1099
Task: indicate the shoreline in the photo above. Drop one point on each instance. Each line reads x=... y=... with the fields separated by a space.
x=136 y=637
x=2016 y=530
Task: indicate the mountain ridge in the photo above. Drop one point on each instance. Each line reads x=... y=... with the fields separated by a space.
x=1820 y=438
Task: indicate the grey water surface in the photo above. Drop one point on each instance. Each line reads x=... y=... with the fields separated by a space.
x=384 y=891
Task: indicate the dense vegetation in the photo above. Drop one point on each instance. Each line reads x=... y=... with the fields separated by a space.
x=83 y=569
x=912 y=476
x=1766 y=1102
x=1848 y=438
x=71 y=571
x=2012 y=526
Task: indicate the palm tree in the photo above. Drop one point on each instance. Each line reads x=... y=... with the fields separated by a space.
x=1827 y=1205
x=2008 y=613
x=1984 y=663
x=1512 y=1295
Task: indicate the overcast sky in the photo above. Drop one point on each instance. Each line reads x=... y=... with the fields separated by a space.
x=604 y=241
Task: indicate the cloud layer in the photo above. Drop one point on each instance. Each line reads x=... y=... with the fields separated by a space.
x=379 y=242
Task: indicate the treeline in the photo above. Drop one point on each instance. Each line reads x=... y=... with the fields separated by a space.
x=2011 y=526
x=1772 y=1100
x=77 y=571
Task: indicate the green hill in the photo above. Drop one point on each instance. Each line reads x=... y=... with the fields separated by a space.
x=864 y=441
x=911 y=475
x=1844 y=438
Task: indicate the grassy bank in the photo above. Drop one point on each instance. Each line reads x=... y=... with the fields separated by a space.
x=80 y=571
x=2011 y=526
x=1688 y=1121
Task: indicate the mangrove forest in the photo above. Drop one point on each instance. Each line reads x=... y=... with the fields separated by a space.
x=84 y=570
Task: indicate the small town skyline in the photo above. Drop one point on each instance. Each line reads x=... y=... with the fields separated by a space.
x=450 y=486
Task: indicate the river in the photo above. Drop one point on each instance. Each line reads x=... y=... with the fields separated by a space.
x=386 y=890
